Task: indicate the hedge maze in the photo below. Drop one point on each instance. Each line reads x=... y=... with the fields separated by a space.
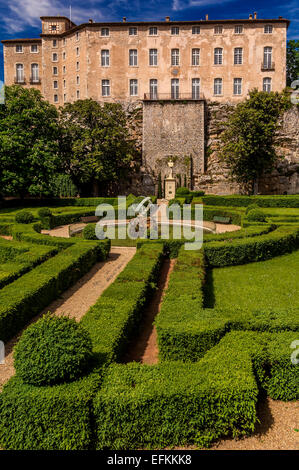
x=217 y=356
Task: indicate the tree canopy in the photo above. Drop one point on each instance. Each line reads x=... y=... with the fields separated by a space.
x=248 y=147
x=95 y=141
x=292 y=61
x=28 y=142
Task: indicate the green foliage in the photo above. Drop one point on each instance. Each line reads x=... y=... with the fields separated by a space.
x=256 y=215
x=56 y=417
x=241 y=251
x=24 y=217
x=292 y=61
x=51 y=351
x=118 y=311
x=28 y=142
x=182 y=192
x=176 y=403
x=44 y=212
x=160 y=191
x=27 y=296
x=89 y=232
x=63 y=186
x=250 y=207
x=248 y=147
x=245 y=201
x=95 y=141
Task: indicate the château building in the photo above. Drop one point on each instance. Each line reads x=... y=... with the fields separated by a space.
x=183 y=75
x=128 y=61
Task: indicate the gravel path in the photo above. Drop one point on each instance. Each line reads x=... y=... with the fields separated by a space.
x=144 y=348
x=77 y=299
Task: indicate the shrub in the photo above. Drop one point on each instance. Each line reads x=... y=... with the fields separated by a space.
x=89 y=232
x=24 y=217
x=44 y=212
x=51 y=351
x=182 y=192
x=251 y=207
x=256 y=215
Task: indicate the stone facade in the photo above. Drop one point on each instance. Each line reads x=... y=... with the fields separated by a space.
x=172 y=130
x=72 y=66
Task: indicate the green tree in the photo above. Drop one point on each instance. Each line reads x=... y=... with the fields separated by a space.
x=160 y=192
x=292 y=61
x=28 y=142
x=248 y=148
x=95 y=142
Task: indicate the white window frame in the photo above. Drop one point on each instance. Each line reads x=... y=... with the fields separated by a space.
x=54 y=54
x=268 y=57
x=133 y=87
x=20 y=78
x=195 y=88
x=268 y=29
x=105 y=58
x=153 y=57
x=195 y=57
x=55 y=84
x=195 y=29
x=34 y=75
x=56 y=99
x=238 y=56
x=218 y=56
x=267 y=84
x=218 y=29
x=54 y=43
x=153 y=87
x=237 y=86
x=175 y=88
x=104 y=31
x=36 y=51
x=153 y=31
x=55 y=69
x=19 y=46
x=133 y=31
x=175 y=57
x=175 y=30
x=218 y=87
x=106 y=90
x=133 y=58
x=239 y=29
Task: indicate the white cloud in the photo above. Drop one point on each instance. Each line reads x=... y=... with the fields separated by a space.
x=178 y=5
x=24 y=13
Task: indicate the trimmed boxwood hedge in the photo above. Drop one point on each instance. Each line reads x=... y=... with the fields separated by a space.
x=244 y=201
x=228 y=253
x=118 y=311
x=176 y=403
x=18 y=258
x=27 y=296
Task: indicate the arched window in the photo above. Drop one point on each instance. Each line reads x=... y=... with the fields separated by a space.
x=267 y=84
x=34 y=73
x=19 y=73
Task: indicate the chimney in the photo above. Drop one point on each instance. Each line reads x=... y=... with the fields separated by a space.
x=207 y=17
x=90 y=21
x=167 y=18
x=280 y=17
x=124 y=19
x=250 y=17
x=255 y=15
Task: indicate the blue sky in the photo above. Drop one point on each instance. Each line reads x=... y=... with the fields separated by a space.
x=20 y=18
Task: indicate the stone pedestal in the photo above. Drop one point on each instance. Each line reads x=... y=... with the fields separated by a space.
x=170 y=187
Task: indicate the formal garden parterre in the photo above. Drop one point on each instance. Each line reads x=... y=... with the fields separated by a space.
x=225 y=329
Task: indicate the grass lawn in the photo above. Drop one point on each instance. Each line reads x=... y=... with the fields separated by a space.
x=266 y=285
